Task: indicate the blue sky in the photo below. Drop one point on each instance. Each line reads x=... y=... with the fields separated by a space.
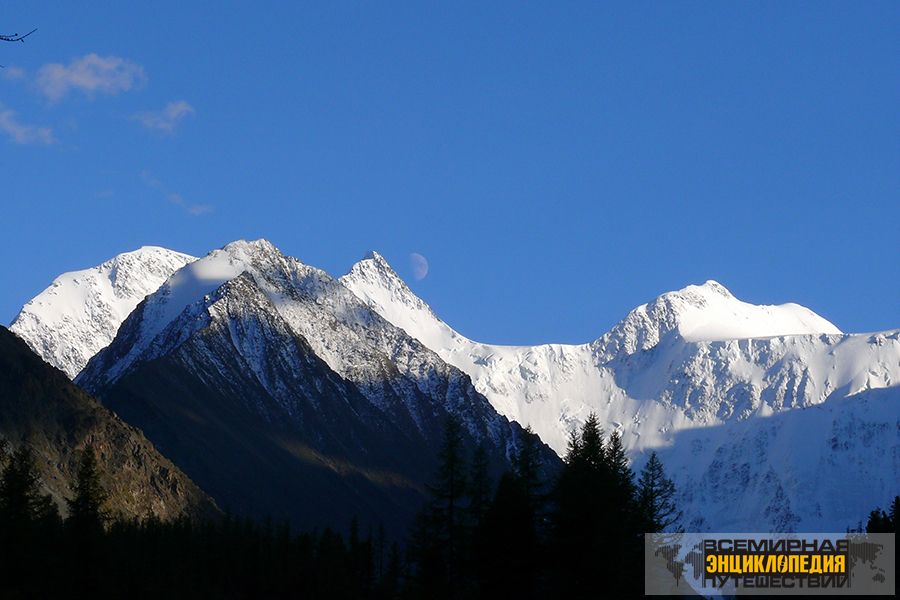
x=556 y=163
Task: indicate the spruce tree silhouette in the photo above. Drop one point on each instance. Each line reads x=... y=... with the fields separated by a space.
x=508 y=549
x=596 y=542
x=528 y=470
x=87 y=512
x=656 y=497
x=22 y=505
x=480 y=488
x=883 y=522
x=438 y=536
x=85 y=524
x=895 y=518
x=621 y=555
x=28 y=521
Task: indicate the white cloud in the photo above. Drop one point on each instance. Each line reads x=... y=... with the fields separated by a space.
x=90 y=74
x=166 y=119
x=20 y=133
x=12 y=73
x=195 y=210
x=199 y=209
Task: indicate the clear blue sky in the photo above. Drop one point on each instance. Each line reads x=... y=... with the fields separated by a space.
x=556 y=163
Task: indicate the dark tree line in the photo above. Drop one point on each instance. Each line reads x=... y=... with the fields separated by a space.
x=574 y=535
x=884 y=522
x=91 y=555
x=526 y=535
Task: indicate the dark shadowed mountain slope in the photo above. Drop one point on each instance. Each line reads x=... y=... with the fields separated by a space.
x=42 y=409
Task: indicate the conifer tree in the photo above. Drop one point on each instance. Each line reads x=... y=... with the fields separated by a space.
x=625 y=559
x=879 y=522
x=895 y=508
x=528 y=468
x=438 y=534
x=580 y=503
x=573 y=447
x=596 y=530
x=390 y=582
x=591 y=448
x=656 y=497
x=448 y=495
x=479 y=489
x=507 y=555
x=21 y=502
x=87 y=511
x=28 y=522
x=617 y=463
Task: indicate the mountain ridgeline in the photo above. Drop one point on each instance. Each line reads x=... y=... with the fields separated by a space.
x=281 y=394
x=284 y=391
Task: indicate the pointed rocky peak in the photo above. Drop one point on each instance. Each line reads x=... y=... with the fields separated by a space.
x=373 y=281
x=204 y=276
x=180 y=304
x=260 y=246
x=375 y=270
x=377 y=284
x=707 y=313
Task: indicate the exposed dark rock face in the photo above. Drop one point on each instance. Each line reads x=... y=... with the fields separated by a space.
x=40 y=408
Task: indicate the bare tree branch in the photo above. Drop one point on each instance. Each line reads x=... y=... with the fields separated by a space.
x=15 y=37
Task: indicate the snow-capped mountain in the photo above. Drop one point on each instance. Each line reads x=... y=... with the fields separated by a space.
x=706 y=313
x=699 y=365
x=769 y=417
x=80 y=312
x=279 y=391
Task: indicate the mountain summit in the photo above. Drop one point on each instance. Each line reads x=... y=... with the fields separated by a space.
x=80 y=312
x=708 y=313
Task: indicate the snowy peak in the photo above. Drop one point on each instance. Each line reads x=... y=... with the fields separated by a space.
x=261 y=246
x=80 y=312
x=376 y=283
x=707 y=313
x=374 y=269
x=177 y=300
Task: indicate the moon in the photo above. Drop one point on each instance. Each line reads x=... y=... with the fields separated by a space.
x=419 y=266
